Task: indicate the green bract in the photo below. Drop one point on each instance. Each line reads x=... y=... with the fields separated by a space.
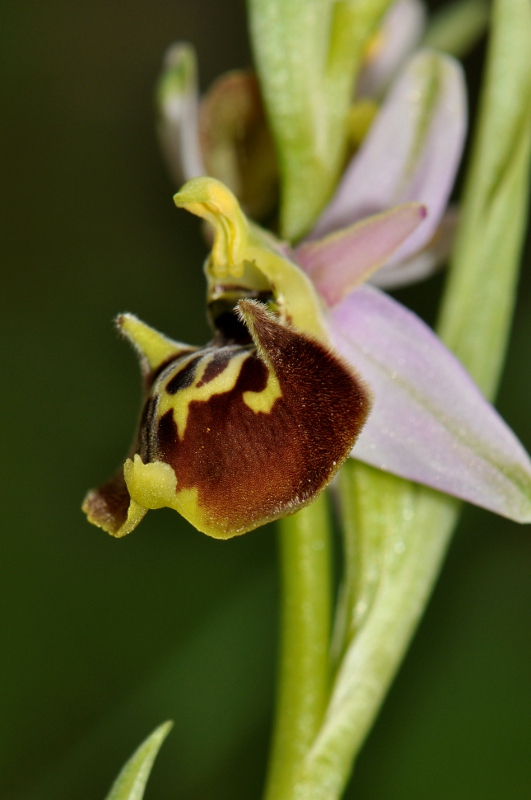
x=308 y=53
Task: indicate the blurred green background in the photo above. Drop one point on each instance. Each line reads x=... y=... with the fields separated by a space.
x=101 y=640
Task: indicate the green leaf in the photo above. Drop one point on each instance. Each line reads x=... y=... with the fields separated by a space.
x=131 y=782
x=457 y=27
x=396 y=534
x=477 y=309
x=308 y=53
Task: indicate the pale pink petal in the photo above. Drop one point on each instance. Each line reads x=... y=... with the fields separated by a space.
x=411 y=152
x=429 y=423
x=426 y=262
x=399 y=34
x=341 y=261
x=177 y=106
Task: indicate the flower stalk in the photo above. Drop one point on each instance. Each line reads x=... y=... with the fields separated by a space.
x=304 y=675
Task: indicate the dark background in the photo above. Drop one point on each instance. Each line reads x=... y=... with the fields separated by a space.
x=101 y=640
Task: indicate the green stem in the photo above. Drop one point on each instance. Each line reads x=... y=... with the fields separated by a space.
x=304 y=662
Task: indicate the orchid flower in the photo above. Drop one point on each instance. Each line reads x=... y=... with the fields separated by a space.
x=378 y=225
x=429 y=423
x=254 y=425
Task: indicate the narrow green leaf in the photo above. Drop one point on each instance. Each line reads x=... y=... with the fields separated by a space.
x=457 y=27
x=477 y=308
x=307 y=54
x=396 y=536
x=131 y=782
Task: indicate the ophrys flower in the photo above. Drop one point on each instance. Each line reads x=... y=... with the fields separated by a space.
x=254 y=425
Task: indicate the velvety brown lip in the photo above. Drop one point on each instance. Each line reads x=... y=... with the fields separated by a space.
x=251 y=467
